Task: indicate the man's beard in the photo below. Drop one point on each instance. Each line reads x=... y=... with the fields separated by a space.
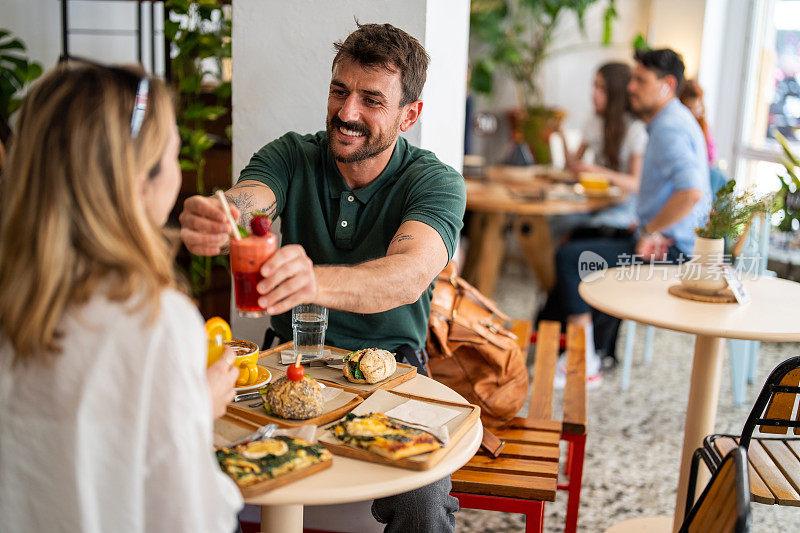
x=642 y=111
x=370 y=148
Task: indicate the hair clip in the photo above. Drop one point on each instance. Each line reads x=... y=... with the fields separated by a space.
x=139 y=106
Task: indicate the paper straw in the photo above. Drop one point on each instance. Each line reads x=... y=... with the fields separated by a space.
x=234 y=227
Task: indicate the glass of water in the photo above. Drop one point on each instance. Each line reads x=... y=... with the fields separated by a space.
x=309 y=322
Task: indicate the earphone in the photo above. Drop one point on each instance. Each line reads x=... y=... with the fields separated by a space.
x=664 y=90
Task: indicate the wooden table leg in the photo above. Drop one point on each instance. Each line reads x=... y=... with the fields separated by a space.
x=474 y=243
x=701 y=412
x=487 y=235
x=282 y=518
x=533 y=233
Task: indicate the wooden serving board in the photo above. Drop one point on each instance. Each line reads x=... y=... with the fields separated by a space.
x=457 y=427
x=232 y=428
x=333 y=410
x=272 y=360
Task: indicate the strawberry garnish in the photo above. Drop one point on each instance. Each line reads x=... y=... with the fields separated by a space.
x=260 y=224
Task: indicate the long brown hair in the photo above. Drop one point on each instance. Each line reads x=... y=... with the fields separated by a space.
x=616 y=77
x=72 y=220
x=691 y=90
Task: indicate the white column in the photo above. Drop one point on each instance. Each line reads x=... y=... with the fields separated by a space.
x=282 y=54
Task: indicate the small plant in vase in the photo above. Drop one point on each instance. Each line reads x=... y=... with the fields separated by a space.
x=729 y=218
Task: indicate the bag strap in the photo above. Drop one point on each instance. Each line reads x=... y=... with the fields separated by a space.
x=460 y=283
x=491 y=443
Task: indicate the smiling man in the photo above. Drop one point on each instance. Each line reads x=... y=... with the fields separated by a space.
x=368 y=222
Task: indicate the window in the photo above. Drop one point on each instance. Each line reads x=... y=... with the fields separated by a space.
x=772 y=102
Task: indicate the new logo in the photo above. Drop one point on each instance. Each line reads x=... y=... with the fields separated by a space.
x=590 y=262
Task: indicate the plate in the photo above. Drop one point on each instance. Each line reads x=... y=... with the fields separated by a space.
x=611 y=192
x=264 y=376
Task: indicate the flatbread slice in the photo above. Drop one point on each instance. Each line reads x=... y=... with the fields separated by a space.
x=384 y=436
x=253 y=462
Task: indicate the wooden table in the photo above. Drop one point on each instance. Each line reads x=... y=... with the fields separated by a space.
x=493 y=204
x=640 y=294
x=351 y=480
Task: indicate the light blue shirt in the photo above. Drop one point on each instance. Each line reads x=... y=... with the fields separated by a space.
x=675 y=160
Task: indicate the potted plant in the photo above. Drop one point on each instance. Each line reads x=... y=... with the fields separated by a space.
x=729 y=217
x=16 y=72
x=516 y=38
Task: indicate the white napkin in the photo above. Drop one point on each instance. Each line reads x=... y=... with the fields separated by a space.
x=329 y=393
x=288 y=357
x=428 y=417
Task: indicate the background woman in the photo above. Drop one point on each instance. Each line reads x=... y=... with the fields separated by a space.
x=617 y=140
x=105 y=404
x=692 y=97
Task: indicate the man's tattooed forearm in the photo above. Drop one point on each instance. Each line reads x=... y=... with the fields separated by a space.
x=245 y=203
x=401 y=237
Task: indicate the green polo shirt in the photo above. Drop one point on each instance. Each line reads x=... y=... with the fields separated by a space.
x=339 y=226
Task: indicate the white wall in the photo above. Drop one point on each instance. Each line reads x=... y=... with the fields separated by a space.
x=678 y=24
x=38 y=24
x=446 y=40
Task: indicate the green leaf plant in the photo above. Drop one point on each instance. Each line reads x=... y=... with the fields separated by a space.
x=16 y=73
x=516 y=38
x=731 y=212
x=790 y=185
x=200 y=36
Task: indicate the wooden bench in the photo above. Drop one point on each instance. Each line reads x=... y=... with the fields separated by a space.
x=525 y=475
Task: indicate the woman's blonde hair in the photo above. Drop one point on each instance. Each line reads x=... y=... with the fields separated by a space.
x=72 y=218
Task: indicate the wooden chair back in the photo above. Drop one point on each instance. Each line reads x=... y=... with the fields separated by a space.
x=775 y=411
x=724 y=506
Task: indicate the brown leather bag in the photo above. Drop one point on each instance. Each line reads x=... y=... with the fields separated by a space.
x=472 y=353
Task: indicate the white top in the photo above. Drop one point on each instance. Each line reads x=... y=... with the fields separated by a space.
x=634 y=143
x=640 y=294
x=116 y=433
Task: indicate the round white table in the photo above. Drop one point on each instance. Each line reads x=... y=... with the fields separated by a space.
x=351 y=480
x=640 y=294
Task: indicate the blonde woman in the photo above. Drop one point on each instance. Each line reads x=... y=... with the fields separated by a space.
x=105 y=405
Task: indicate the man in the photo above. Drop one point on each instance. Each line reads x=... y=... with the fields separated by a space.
x=368 y=222
x=674 y=193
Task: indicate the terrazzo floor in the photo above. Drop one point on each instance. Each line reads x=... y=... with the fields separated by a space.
x=635 y=437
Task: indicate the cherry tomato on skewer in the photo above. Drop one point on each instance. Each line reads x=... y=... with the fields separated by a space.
x=295 y=372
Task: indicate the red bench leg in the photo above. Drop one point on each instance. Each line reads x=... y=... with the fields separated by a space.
x=532 y=509
x=534 y=519
x=569 y=457
x=577 y=450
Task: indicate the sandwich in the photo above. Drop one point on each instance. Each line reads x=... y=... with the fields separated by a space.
x=369 y=365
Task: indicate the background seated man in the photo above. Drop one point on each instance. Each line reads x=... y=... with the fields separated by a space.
x=674 y=194
x=368 y=222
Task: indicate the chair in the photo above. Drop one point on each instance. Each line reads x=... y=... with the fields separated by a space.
x=774 y=465
x=724 y=505
x=750 y=252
